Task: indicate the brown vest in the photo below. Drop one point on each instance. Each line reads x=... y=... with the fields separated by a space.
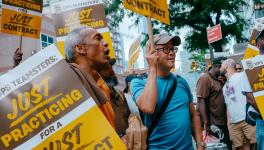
x=90 y=85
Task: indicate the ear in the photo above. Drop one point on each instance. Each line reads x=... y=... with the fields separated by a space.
x=226 y=66
x=80 y=49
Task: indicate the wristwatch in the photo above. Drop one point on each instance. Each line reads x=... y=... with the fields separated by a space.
x=202 y=144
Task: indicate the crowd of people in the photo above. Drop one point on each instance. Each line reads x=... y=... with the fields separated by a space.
x=163 y=100
x=223 y=102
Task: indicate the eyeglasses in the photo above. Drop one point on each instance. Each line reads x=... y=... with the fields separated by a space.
x=167 y=50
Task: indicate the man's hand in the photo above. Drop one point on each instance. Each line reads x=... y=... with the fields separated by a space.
x=251 y=100
x=147 y=101
x=152 y=57
x=17 y=57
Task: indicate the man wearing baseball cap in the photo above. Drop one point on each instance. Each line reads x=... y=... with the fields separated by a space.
x=166 y=100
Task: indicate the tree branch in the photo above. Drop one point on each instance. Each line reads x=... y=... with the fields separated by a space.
x=191 y=24
x=218 y=15
x=209 y=20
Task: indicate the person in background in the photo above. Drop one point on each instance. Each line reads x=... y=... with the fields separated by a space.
x=17 y=58
x=211 y=103
x=131 y=104
x=117 y=97
x=242 y=134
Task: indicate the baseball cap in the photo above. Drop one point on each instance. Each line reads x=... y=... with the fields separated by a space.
x=164 y=38
x=259 y=35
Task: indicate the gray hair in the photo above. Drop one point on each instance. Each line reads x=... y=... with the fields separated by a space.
x=74 y=38
x=230 y=63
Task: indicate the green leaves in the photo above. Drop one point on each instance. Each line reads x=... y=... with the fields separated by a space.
x=201 y=14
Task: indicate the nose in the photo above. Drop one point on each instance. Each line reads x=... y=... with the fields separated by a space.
x=107 y=51
x=171 y=53
x=105 y=44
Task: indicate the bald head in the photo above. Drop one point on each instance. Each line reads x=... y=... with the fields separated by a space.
x=228 y=67
x=230 y=63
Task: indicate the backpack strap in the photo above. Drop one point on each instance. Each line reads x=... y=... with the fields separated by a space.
x=163 y=107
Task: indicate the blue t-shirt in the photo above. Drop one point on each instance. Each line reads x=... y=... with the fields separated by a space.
x=173 y=130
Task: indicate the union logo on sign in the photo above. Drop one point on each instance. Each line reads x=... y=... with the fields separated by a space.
x=250 y=64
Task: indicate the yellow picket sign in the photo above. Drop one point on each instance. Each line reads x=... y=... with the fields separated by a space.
x=251 y=51
x=84 y=133
x=34 y=5
x=254 y=70
x=19 y=23
x=133 y=59
x=134 y=46
x=55 y=117
x=60 y=45
x=134 y=52
x=79 y=13
x=157 y=9
x=106 y=37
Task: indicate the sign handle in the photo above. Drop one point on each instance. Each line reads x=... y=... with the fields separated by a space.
x=211 y=53
x=20 y=46
x=150 y=33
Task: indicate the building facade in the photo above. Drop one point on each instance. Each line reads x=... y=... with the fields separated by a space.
x=259 y=10
x=118 y=46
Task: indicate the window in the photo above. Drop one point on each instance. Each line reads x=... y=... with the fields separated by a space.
x=259 y=13
x=46 y=40
x=117 y=55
